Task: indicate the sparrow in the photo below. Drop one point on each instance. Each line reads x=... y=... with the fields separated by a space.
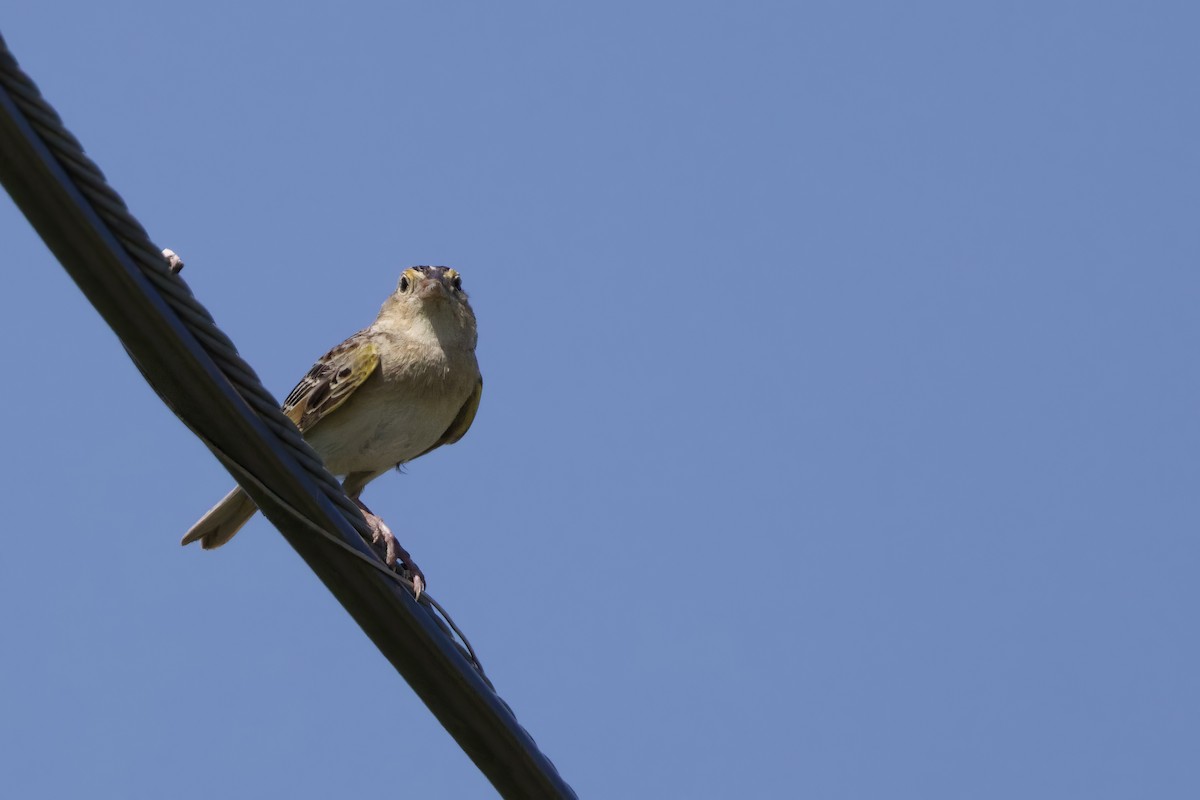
x=407 y=384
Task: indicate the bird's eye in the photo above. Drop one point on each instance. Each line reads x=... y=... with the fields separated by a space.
x=404 y=284
x=456 y=282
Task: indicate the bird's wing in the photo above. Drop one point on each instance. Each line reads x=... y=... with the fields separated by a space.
x=331 y=381
x=462 y=422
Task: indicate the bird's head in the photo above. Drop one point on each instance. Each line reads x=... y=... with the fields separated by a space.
x=435 y=296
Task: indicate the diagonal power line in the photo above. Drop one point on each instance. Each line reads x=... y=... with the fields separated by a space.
x=197 y=372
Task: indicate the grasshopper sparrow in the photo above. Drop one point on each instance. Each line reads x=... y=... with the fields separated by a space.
x=407 y=384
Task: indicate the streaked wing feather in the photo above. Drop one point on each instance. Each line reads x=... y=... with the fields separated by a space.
x=331 y=381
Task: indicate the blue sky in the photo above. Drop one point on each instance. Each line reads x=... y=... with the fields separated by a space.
x=840 y=429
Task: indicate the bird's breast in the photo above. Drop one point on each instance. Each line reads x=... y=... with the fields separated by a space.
x=401 y=411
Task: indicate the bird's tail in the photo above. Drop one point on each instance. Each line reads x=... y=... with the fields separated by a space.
x=222 y=521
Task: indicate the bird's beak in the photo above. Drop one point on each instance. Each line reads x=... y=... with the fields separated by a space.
x=432 y=289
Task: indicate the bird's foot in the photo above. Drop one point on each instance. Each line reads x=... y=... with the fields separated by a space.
x=383 y=539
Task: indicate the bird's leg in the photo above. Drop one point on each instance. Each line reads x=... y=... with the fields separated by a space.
x=382 y=536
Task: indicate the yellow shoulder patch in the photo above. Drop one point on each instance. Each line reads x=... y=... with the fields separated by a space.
x=331 y=381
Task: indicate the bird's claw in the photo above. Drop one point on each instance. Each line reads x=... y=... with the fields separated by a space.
x=383 y=538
